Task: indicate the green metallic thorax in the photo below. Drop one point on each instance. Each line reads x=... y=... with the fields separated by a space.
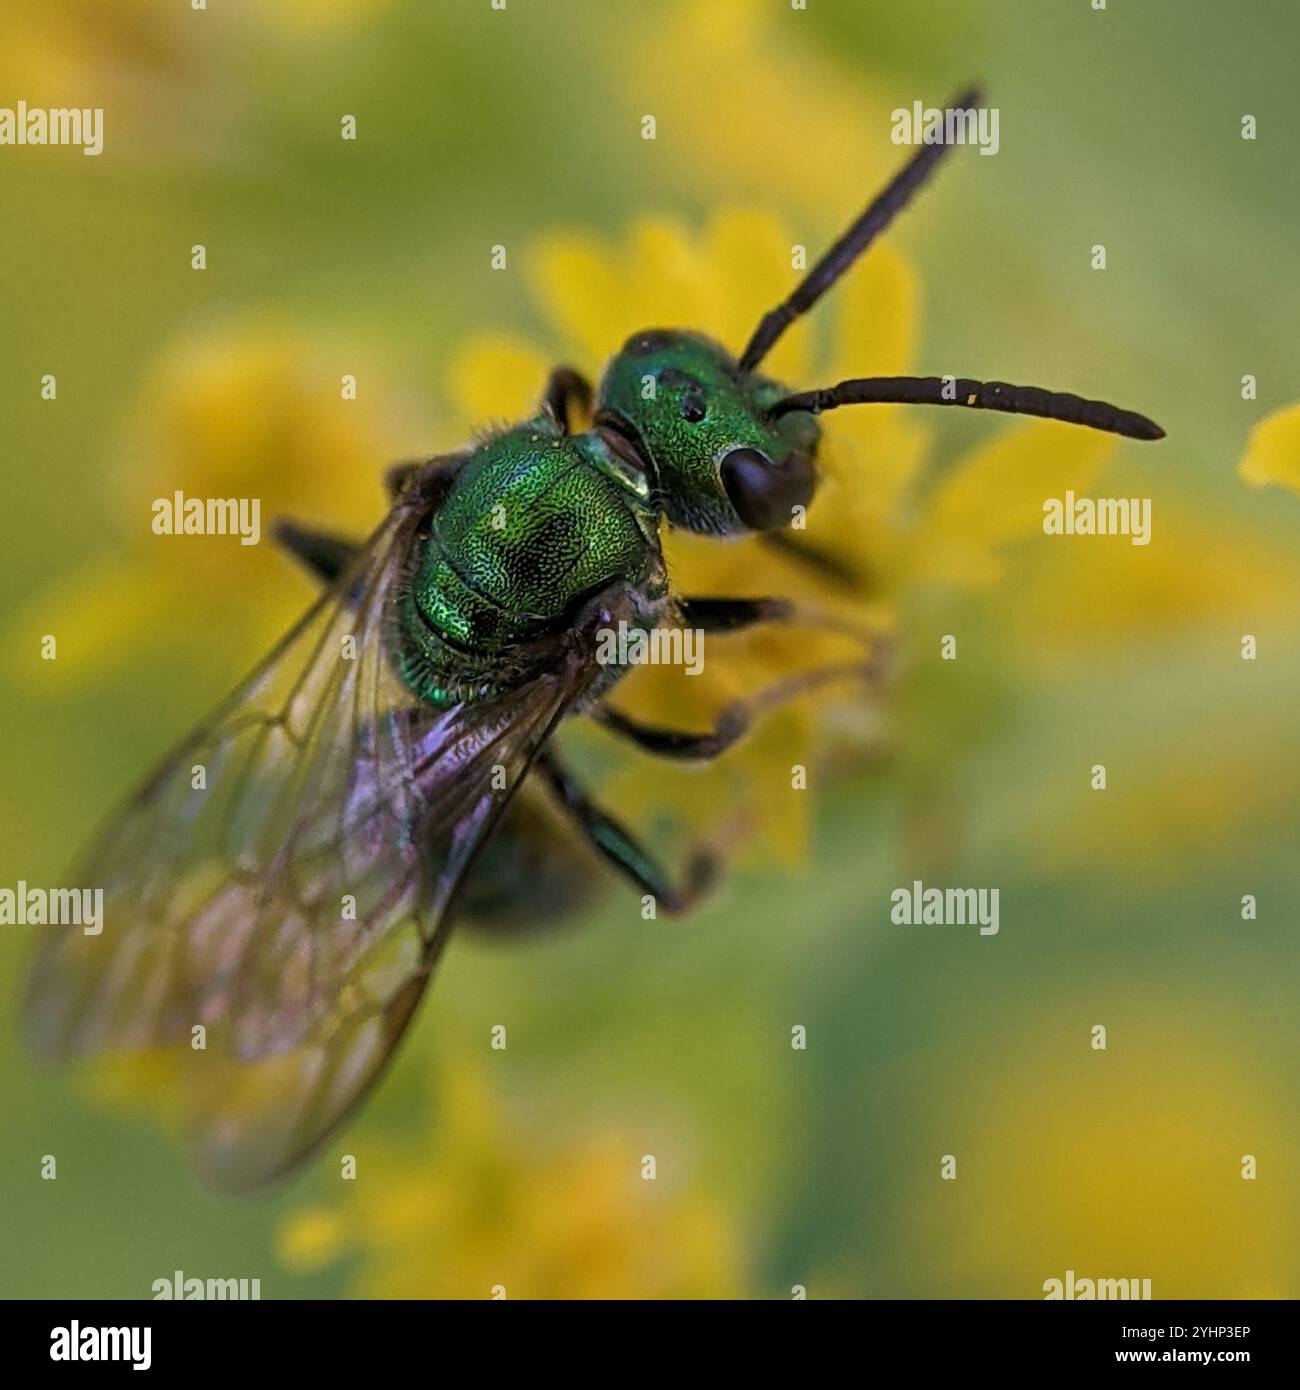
x=534 y=523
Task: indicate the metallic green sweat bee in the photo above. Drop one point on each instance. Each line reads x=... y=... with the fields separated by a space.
x=293 y=909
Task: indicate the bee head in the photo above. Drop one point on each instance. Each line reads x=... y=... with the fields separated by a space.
x=720 y=463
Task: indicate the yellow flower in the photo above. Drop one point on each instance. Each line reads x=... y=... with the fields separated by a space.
x=488 y=1203
x=1126 y=1162
x=245 y=409
x=785 y=118
x=872 y=513
x=1189 y=785
x=105 y=56
x=124 y=56
x=1273 y=455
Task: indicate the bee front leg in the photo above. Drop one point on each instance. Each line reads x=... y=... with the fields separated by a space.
x=616 y=844
x=566 y=390
x=721 y=615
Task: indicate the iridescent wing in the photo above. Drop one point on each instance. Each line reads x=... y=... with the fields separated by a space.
x=287 y=878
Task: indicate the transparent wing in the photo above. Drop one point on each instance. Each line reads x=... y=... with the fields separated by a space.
x=286 y=879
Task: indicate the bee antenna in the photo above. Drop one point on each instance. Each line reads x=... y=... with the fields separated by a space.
x=976 y=395
x=878 y=214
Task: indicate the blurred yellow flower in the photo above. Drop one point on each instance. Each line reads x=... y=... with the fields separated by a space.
x=251 y=409
x=487 y=1204
x=784 y=119
x=1127 y=1162
x=1188 y=785
x=106 y=57
x=309 y=16
x=127 y=55
x=1273 y=454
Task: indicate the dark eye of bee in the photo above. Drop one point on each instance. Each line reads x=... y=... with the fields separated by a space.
x=693 y=408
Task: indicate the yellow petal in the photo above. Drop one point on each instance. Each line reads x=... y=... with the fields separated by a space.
x=254 y=409
x=1197 y=569
x=665 y=280
x=877 y=311
x=996 y=494
x=749 y=257
x=576 y=281
x=1273 y=454
x=97 y=618
x=496 y=377
x=868 y=464
x=783 y=120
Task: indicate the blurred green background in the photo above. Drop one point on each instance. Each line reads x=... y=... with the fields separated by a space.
x=777 y=1167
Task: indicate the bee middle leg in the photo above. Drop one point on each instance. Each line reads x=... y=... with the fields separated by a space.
x=616 y=844
x=443 y=469
x=734 y=615
x=325 y=555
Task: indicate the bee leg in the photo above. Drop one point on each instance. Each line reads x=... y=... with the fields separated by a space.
x=729 y=615
x=721 y=615
x=616 y=844
x=566 y=389
x=733 y=614
x=397 y=476
x=733 y=723
x=329 y=556
x=826 y=566
x=326 y=556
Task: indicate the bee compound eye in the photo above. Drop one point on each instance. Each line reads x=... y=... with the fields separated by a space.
x=765 y=493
